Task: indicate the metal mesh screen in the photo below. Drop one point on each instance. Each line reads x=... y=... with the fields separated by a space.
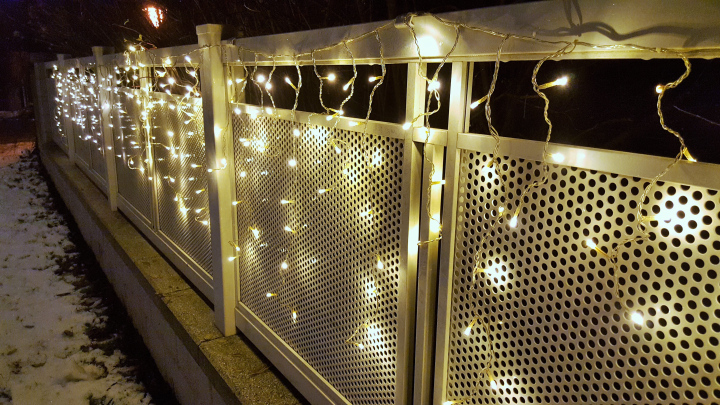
x=331 y=257
x=558 y=332
x=133 y=184
x=182 y=189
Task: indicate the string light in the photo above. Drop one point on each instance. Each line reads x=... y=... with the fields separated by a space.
x=433 y=86
x=476 y=103
x=559 y=82
x=637 y=318
x=557 y=157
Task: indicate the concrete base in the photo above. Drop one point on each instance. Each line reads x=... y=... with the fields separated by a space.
x=202 y=366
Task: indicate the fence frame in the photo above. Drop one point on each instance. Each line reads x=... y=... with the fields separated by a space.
x=427 y=288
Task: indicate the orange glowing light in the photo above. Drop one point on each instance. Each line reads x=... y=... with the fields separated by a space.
x=155 y=15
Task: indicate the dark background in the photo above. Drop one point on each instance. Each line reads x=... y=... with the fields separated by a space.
x=607 y=104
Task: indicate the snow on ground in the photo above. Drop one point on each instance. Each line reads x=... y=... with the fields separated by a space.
x=45 y=356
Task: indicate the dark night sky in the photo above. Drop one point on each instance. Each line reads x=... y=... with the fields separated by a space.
x=608 y=103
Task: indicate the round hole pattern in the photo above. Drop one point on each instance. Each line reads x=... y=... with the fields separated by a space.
x=332 y=256
x=86 y=118
x=557 y=328
x=188 y=141
x=59 y=104
x=133 y=185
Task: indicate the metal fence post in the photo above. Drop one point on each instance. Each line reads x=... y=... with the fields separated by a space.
x=106 y=82
x=456 y=125
x=414 y=106
x=220 y=190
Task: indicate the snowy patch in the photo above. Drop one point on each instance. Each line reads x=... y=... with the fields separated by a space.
x=46 y=357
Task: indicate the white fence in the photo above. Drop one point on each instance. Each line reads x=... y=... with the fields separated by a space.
x=553 y=274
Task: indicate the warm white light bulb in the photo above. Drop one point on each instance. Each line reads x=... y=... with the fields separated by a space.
x=637 y=318
x=688 y=156
x=380 y=264
x=371 y=289
x=331 y=77
x=434 y=85
x=270 y=295
x=243 y=174
x=407 y=125
x=284 y=265
x=467 y=331
x=558 y=157
x=292 y=162
x=260 y=78
x=559 y=82
x=288 y=229
x=296 y=132
x=514 y=221
x=268 y=86
x=493 y=384
x=255 y=232
x=360 y=346
x=591 y=244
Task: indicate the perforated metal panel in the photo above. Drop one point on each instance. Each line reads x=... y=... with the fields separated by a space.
x=558 y=332
x=56 y=101
x=79 y=115
x=94 y=122
x=133 y=185
x=331 y=259
x=178 y=146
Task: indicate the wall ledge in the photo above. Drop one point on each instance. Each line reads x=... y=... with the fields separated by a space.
x=201 y=365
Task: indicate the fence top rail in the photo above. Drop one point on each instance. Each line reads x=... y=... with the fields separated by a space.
x=624 y=163
x=535 y=30
x=84 y=61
